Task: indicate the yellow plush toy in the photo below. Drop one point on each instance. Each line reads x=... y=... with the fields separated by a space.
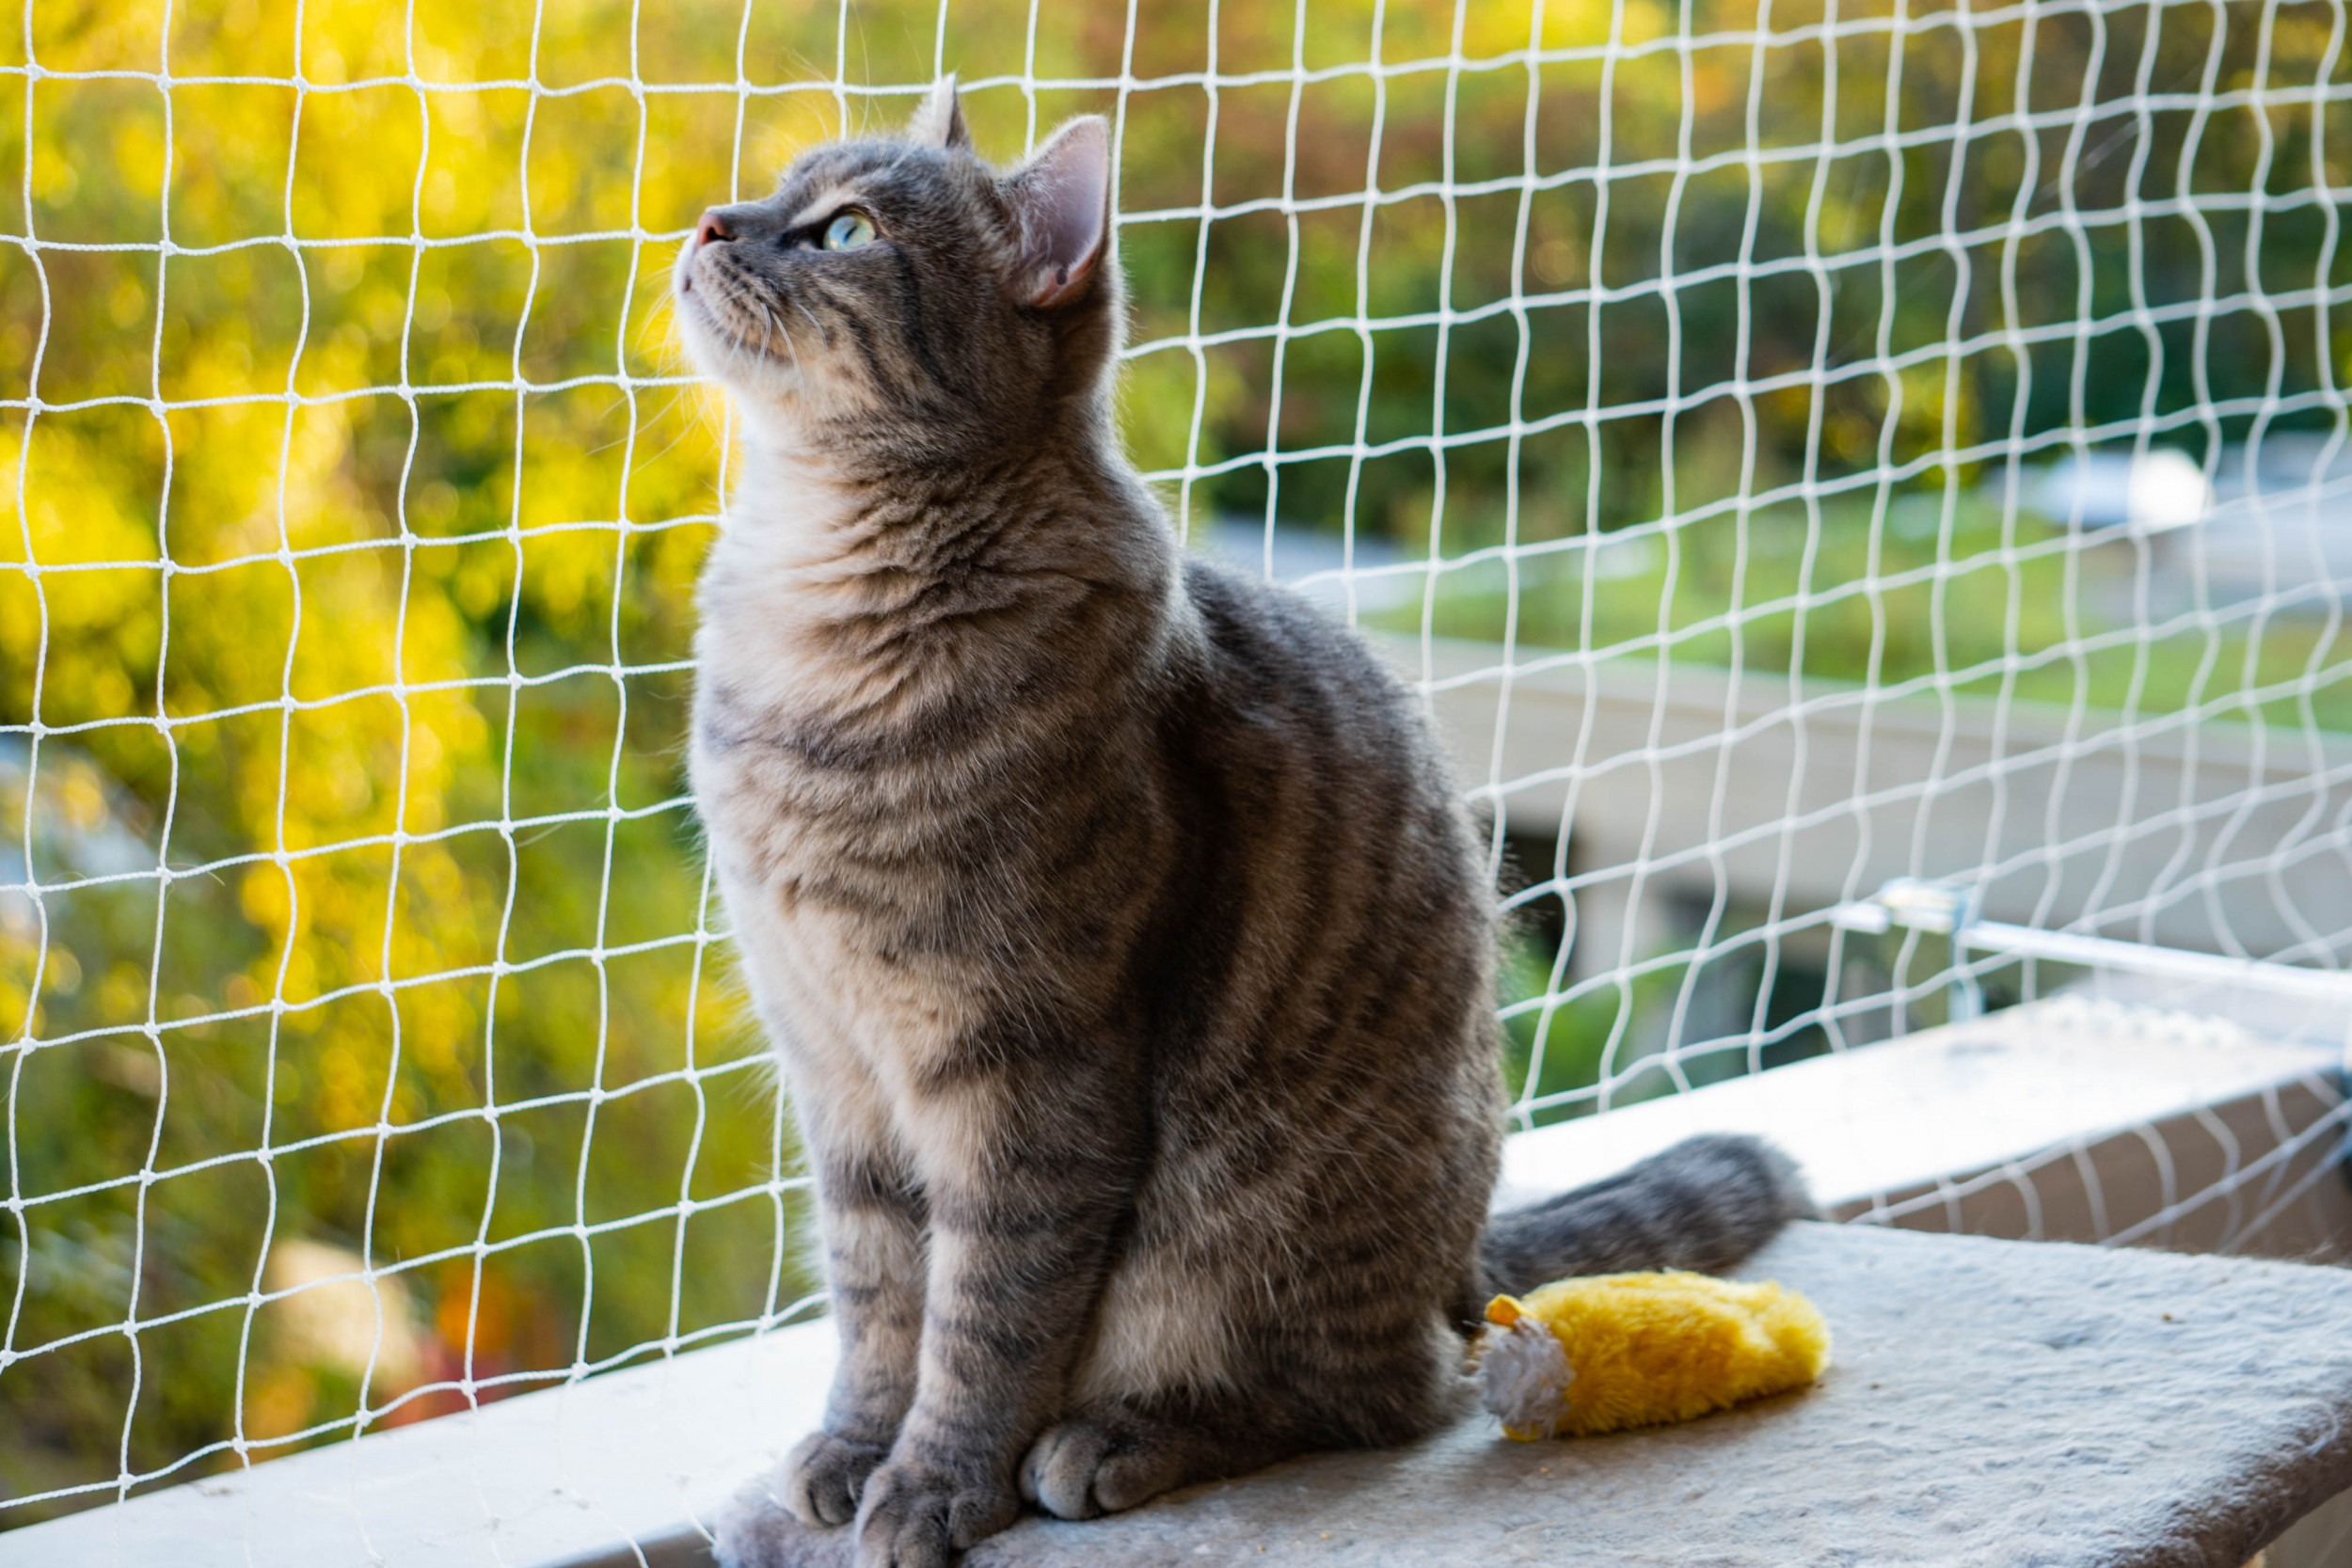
x=1626 y=1349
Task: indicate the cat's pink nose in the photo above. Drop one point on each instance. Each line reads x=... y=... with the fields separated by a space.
x=712 y=226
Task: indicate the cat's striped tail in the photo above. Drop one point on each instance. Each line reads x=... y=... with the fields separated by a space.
x=1703 y=1205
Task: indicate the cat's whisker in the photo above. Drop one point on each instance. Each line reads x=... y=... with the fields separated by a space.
x=800 y=376
x=688 y=427
x=738 y=352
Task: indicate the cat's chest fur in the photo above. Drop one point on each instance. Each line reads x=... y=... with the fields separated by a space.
x=841 y=875
x=872 y=744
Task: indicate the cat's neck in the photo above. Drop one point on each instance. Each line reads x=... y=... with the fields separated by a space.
x=798 y=507
x=792 y=507
x=846 y=579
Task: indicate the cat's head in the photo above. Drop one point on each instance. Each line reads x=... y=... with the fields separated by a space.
x=903 y=300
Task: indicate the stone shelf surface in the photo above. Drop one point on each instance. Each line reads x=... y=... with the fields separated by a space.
x=2008 y=1405
x=1989 y=1402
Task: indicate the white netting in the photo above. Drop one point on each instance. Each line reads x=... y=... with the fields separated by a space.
x=1800 y=445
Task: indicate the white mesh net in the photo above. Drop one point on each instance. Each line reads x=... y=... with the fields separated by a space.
x=1800 y=446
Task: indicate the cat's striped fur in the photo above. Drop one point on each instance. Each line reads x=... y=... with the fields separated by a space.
x=1126 y=948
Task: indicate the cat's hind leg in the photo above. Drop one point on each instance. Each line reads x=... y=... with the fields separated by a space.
x=1165 y=1397
x=1112 y=1454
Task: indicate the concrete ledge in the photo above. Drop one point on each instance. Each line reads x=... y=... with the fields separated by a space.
x=579 y=1472
x=2076 y=1119
x=1990 y=1403
x=617 y=1469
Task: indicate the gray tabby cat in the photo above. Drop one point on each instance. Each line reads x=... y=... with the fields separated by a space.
x=1128 y=953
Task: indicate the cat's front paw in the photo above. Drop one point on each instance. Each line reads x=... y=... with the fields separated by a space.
x=825 y=1477
x=754 y=1529
x=920 y=1514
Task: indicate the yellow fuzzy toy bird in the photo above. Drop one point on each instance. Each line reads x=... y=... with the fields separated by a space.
x=1579 y=1356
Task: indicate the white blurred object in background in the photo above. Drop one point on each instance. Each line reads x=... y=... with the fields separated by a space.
x=2274 y=520
x=2151 y=491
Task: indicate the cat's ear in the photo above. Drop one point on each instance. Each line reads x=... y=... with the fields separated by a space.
x=938 y=118
x=1063 y=197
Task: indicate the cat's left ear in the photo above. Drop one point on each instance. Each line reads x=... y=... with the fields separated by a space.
x=938 y=118
x=1063 y=200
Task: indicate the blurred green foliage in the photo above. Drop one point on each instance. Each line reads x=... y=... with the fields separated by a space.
x=346 y=563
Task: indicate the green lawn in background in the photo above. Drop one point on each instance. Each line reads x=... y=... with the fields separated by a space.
x=1970 y=609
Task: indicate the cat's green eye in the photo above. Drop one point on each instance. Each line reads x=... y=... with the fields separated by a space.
x=849 y=231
